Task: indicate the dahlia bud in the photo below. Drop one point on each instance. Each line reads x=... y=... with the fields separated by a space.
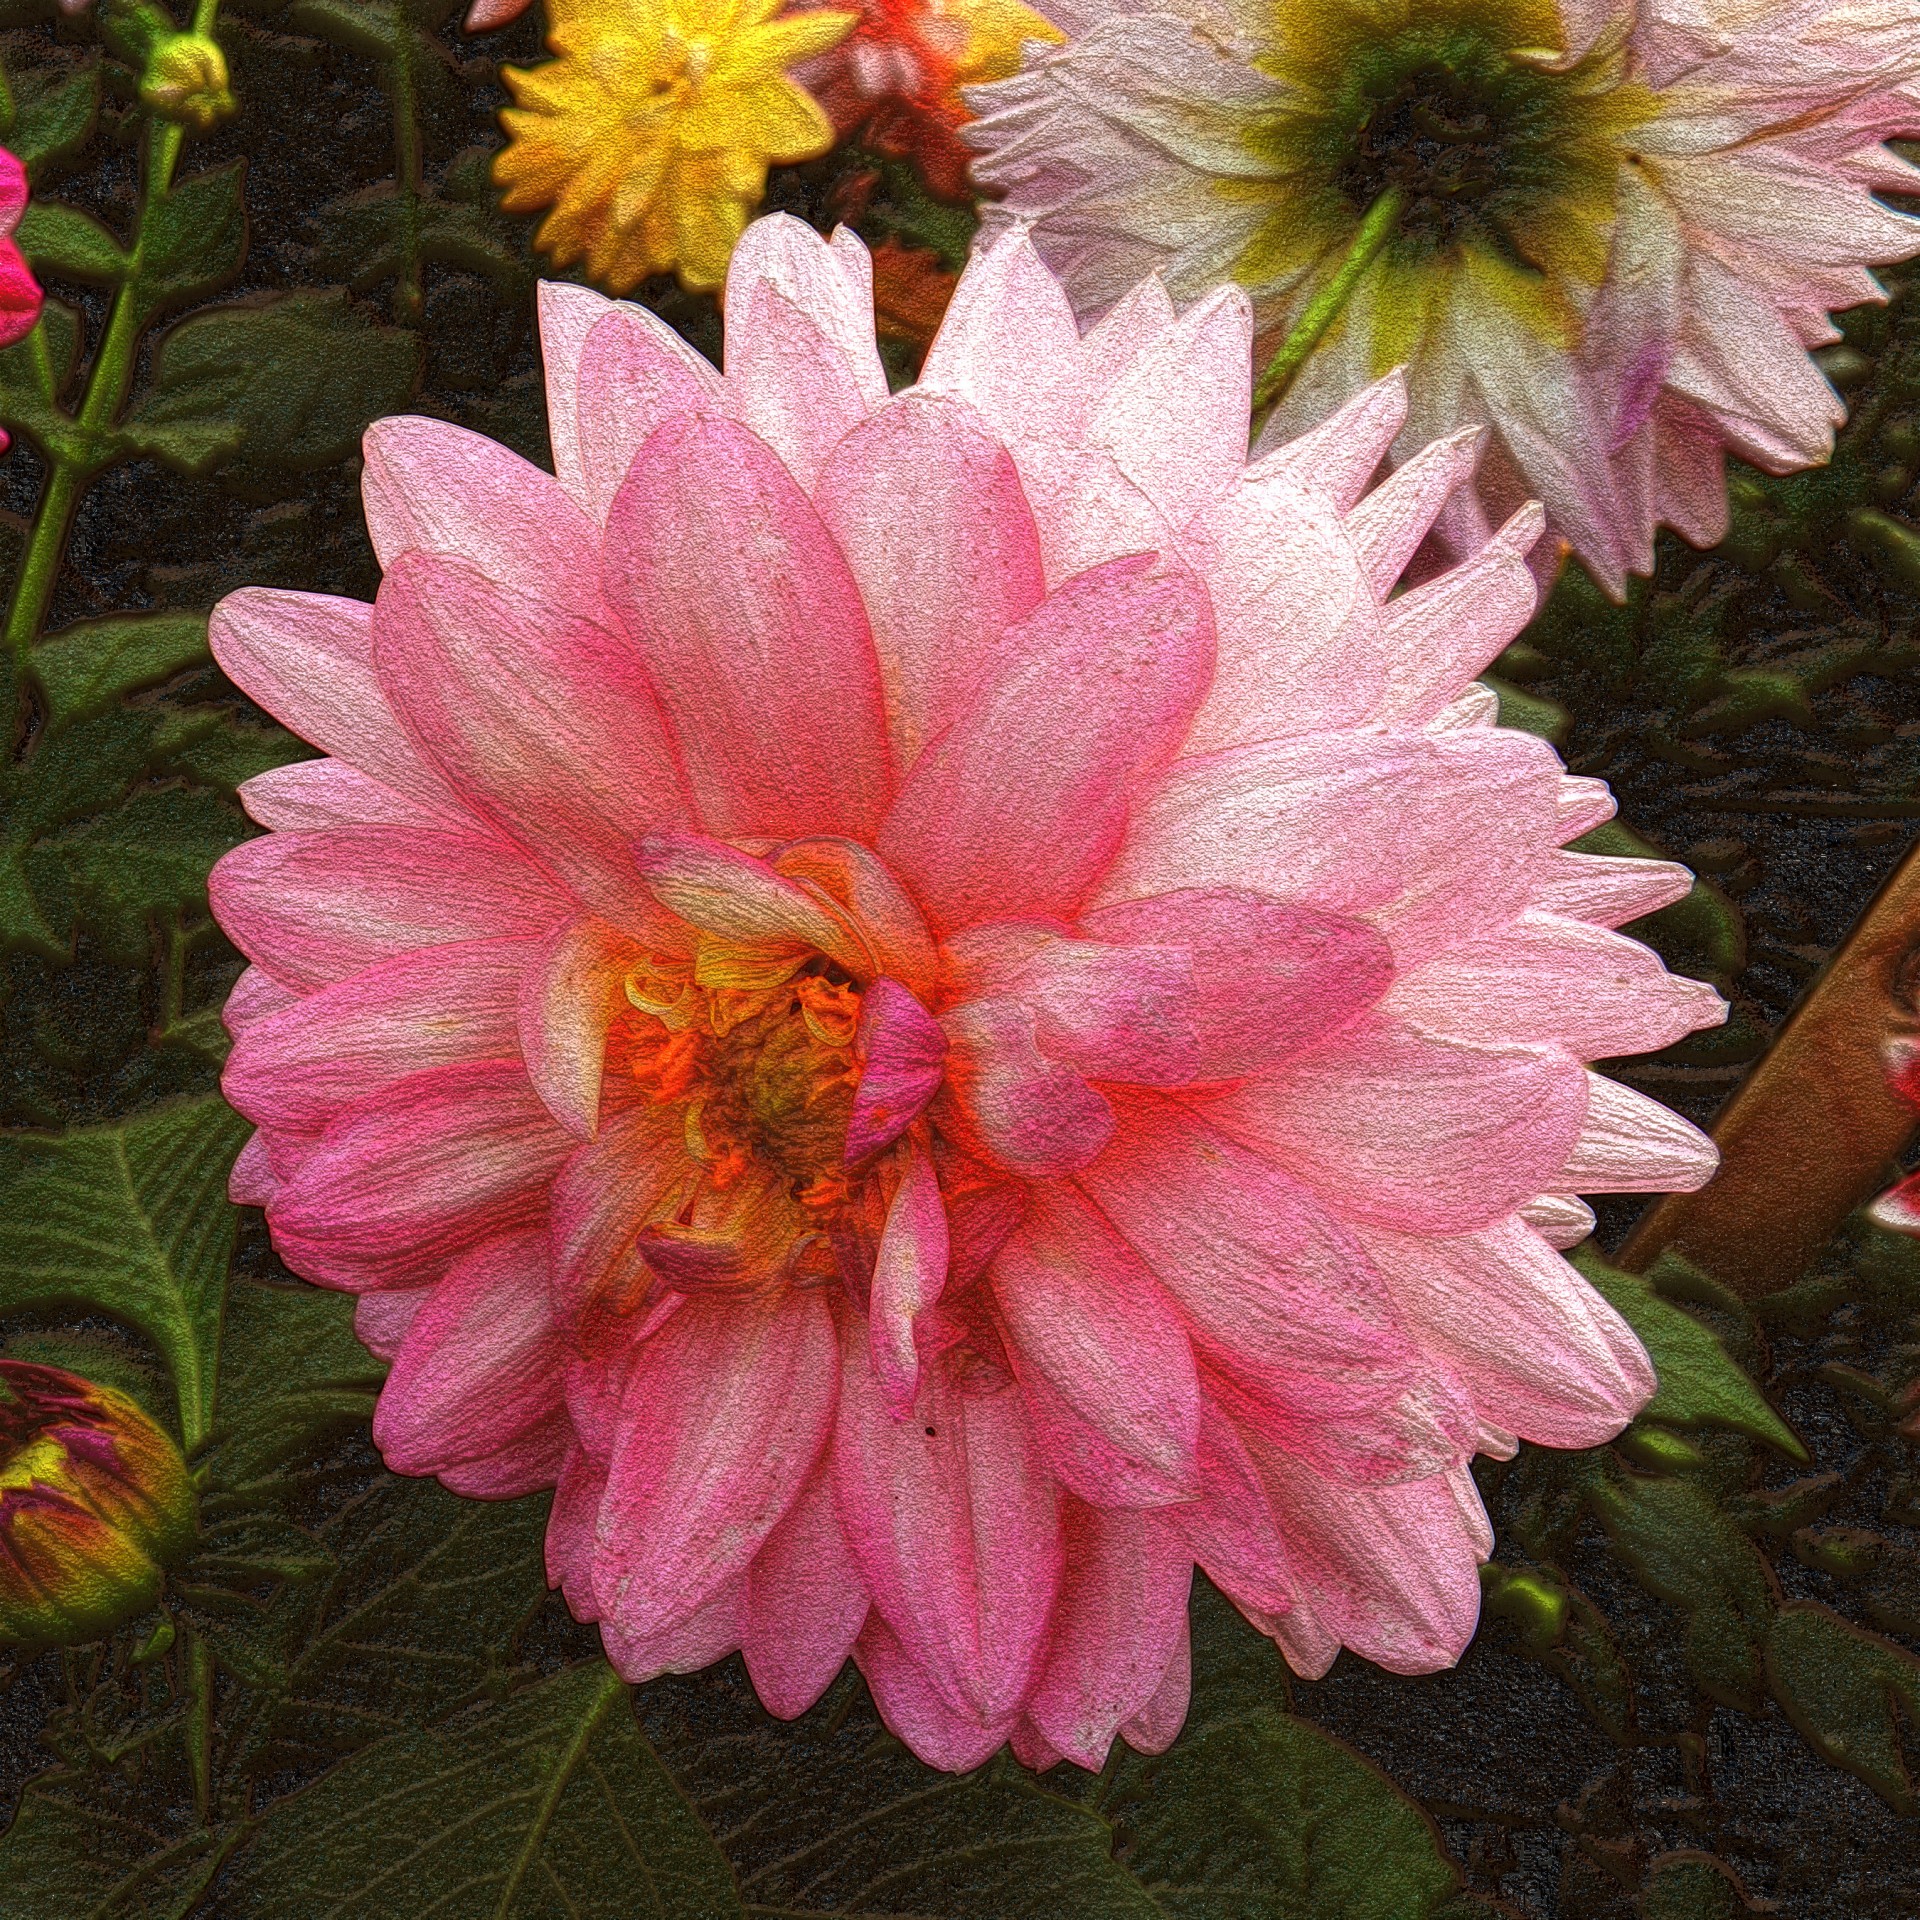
x=186 y=80
x=94 y=1501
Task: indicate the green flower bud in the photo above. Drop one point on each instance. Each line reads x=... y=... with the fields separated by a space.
x=186 y=80
x=94 y=1501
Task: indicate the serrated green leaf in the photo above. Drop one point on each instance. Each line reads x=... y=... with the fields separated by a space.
x=193 y=239
x=1684 y=1548
x=54 y=117
x=129 y=1219
x=84 y=669
x=63 y=240
x=290 y=383
x=1700 y=1386
x=1268 y=1818
x=1841 y=1687
x=551 y=1806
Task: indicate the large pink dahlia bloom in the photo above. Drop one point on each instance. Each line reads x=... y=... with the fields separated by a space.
x=940 y=1007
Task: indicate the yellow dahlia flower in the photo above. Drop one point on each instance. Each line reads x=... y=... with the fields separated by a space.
x=651 y=134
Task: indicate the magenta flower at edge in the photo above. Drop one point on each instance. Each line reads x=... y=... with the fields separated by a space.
x=939 y=1007
x=20 y=296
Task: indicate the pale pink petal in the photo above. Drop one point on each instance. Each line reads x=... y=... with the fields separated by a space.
x=407 y=1181
x=725 y=1413
x=739 y=897
x=941 y=1734
x=1341 y=455
x=752 y=629
x=1176 y=419
x=635 y=373
x=1609 y=892
x=1434 y=1136
x=1092 y=1334
x=434 y=1007
x=314 y=907
x=1269 y=979
x=567 y=1000
x=1033 y=1116
x=311 y=795
x=928 y=510
x=902 y=1052
x=888 y=923
x=1630 y=1144
x=251 y=1181
x=909 y=1273
x=1121 y=1617
x=1023 y=802
x=954 y=1520
x=431 y=487
x=1555 y=982
x=580 y=1487
x=1231 y=1530
x=480 y=1367
x=1086 y=512
x=803 y=1605
x=14 y=191
x=1279 y=1298
x=382 y=1320
x=1155 y=1727
x=255 y=995
x=827 y=284
x=1561 y=1219
x=605 y=1193
x=1388 y=526
x=544 y=722
x=567 y=317
x=789 y=382
x=1540 y=1352
x=1583 y=804
x=307 y=658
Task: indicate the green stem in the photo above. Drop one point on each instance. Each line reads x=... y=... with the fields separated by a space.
x=197 y=1657
x=74 y=459
x=1326 y=305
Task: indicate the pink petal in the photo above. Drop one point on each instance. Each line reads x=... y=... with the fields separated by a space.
x=567 y=1000
x=1344 y=452
x=314 y=907
x=916 y=1712
x=21 y=299
x=754 y=634
x=635 y=374
x=1231 y=1530
x=1086 y=511
x=1392 y=1571
x=1269 y=980
x=481 y=1364
x=1609 y=893
x=1560 y=981
x=952 y=1517
x=542 y=721
x=1019 y=1110
x=724 y=1415
x=1120 y=1621
x=739 y=897
x=1301 y=647
x=431 y=487
x=255 y=995
x=1560 y=1219
x=308 y=659
x=251 y=1181
x=1541 y=1353
x=928 y=510
x=581 y=1486
x=604 y=1194
x=381 y=1321
x=1022 y=803
x=1111 y=1012
x=790 y=384
x=1582 y=805
x=311 y=795
x=439 y=1007
x=1630 y=1144
x=803 y=1605
x=525 y=1464
x=567 y=317
x=1176 y=420
x=889 y=925
x=1157 y=1724
x=709 y=1633
x=1089 y=1328
x=404 y=1183
x=902 y=1051
x=1388 y=526
x=13 y=191
x=909 y=1274
x=1433 y=1136
x=1279 y=1299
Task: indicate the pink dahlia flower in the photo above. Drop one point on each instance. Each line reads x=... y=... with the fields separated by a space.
x=20 y=296
x=939 y=1006
x=1613 y=228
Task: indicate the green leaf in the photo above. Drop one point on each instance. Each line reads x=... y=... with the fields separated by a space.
x=1692 y=1886
x=193 y=239
x=84 y=669
x=55 y=117
x=1268 y=1818
x=551 y=1806
x=34 y=373
x=1840 y=1687
x=63 y=240
x=1700 y=1386
x=288 y=383
x=1681 y=1546
x=130 y=1219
